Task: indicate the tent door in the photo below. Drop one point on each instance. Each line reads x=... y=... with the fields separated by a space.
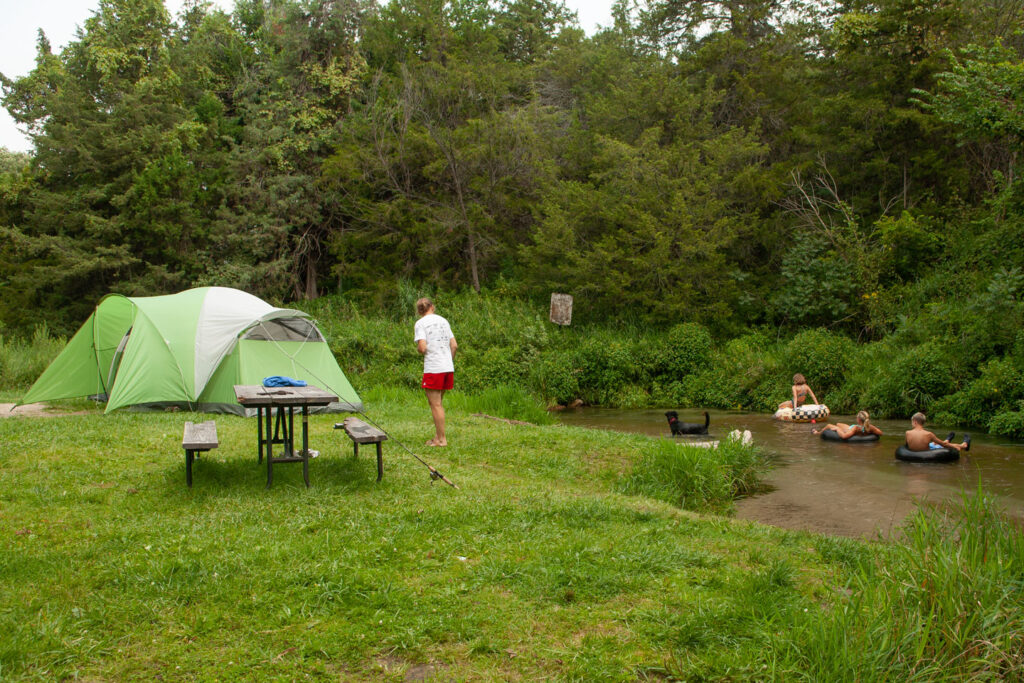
x=115 y=362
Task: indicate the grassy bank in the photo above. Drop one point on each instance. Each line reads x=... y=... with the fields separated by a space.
x=112 y=569
x=507 y=344
x=558 y=559
x=954 y=370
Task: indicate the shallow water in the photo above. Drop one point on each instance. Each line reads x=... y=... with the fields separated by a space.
x=838 y=488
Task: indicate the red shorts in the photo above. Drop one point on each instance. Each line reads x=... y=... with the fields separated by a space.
x=439 y=381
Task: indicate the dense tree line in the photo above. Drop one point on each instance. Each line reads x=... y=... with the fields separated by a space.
x=733 y=162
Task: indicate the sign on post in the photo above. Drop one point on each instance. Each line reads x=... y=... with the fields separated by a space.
x=561 y=308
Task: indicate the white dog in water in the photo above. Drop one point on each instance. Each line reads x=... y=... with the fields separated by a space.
x=744 y=437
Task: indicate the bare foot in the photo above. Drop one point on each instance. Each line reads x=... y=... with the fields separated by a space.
x=431 y=442
x=435 y=442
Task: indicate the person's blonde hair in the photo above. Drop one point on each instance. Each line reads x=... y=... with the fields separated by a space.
x=918 y=418
x=864 y=419
x=423 y=305
x=798 y=379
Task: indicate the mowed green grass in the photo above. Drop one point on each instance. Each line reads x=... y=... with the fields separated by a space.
x=112 y=569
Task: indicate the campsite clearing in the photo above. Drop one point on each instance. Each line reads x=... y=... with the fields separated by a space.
x=537 y=568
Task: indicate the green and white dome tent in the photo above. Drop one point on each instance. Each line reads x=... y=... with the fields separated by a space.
x=189 y=350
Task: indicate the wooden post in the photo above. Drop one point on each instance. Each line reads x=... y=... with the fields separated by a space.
x=561 y=309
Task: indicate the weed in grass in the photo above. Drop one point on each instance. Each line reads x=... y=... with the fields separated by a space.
x=696 y=478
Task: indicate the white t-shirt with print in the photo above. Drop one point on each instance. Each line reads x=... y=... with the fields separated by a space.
x=438 y=333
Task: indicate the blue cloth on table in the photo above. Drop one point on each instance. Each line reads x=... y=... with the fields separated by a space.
x=282 y=381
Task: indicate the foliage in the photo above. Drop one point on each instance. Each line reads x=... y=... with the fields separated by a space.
x=911 y=382
x=696 y=478
x=950 y=589
x=21 y=362
x=508 y=402
x=712 y=181
x=821 y=356
x=817 y=284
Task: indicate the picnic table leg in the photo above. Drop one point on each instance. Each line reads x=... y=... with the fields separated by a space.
x=259 y=433
x=268 y=440
x=305 y=444
x=355 y=449
x=380 y=461
x=290 y=438
x=189 y=456
x=270 y=448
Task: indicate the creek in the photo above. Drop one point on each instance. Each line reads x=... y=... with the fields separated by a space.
x=857 y=490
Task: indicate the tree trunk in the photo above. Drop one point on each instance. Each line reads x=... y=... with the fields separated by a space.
x=311 y=288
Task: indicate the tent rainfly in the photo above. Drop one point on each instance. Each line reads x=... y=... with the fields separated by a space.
x=189 y=350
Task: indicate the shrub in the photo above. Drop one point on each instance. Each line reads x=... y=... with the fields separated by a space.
x=604 y=367
x=495 y=366
x=631 y=396
x=821 y=356
x=22 y=362
x=913 y=382
x=696 y=478
x=819 y=285
x=999 y=384
x=686 y=350
x=1009 y=422
x=743 y=374
x=555 y=377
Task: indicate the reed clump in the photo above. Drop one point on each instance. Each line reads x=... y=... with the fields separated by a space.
x=944 y=604
x=695 y=478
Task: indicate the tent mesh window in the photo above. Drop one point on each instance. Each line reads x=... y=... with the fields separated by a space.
x=284 y=329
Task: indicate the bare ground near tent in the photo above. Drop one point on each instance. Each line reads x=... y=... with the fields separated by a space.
x=36 y=410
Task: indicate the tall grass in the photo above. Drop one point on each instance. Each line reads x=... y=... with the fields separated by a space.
x=22 y=361
x=946 y=604
x=694 y=478
x=509 y=402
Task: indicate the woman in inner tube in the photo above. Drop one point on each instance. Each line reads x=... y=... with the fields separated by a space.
x=800 y=391
x=845 y=431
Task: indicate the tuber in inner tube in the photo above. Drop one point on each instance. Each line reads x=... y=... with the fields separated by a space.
x=833 y=435
x=932 y=455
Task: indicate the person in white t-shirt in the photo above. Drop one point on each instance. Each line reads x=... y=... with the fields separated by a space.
x=434 y=339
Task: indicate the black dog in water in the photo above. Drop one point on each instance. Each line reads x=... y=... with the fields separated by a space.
x=679 y=428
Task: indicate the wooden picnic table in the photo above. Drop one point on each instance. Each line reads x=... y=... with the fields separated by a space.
x=281 y=402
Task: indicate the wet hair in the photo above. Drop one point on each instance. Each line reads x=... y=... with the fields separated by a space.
x=864 y=419
x=423 y=306
x=918 y=419
x=798 y=379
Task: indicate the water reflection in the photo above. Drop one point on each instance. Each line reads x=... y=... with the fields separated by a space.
x=839 y=488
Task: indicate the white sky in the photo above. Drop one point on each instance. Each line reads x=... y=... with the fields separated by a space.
x=60 y=18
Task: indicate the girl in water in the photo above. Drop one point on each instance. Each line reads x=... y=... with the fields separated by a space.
x=845 y=431
x=800 y=391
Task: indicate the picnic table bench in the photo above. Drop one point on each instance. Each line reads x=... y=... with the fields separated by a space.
x=360 y=432
x=197 y=438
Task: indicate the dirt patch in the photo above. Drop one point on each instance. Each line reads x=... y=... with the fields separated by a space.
x=35 y=410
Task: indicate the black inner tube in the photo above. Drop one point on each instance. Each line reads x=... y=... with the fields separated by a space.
x=833 y=435
x=931 y=455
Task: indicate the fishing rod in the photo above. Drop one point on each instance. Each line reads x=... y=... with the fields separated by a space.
x=434 y=473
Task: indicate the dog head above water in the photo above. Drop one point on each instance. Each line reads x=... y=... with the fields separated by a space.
x=672 y=415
